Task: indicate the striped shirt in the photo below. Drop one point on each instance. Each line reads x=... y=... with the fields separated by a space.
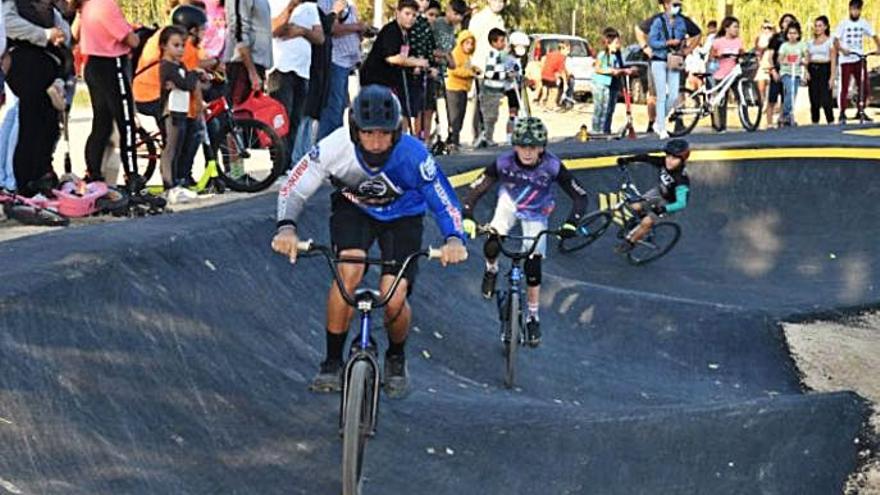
x=346 y=51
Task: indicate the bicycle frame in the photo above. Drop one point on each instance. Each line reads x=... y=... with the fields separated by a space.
x=365 y=301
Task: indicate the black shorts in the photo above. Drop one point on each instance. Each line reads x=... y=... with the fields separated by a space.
x=512 y=101
x=351 y=228
x=775 y=92
x=431 y=96
x=416 y=93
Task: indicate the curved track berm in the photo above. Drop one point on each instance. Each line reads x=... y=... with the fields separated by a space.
x=171 y=355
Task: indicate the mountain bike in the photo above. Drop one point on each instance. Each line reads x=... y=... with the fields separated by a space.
x=359 y=407
x=693 y=105
x=510 y=300
x=251 y=154
x=659 y=241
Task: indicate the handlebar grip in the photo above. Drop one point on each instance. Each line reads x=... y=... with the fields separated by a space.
x=434 y=253
x=304 y=246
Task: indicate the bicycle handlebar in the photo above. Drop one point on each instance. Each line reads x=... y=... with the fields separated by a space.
x=310 y=248
x=516 y=255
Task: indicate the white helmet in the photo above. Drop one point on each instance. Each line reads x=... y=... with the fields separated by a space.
x=519 y=38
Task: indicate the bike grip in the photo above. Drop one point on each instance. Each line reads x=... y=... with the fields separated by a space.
x=304 y=246
x=434 y=253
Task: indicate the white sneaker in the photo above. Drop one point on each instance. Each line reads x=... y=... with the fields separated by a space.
x=662 y=134
x=179 y=195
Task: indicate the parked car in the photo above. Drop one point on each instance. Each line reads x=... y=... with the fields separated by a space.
x=579 y=63
x=634 y=57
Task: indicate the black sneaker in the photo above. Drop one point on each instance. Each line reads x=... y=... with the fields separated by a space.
x=488 y=286
x=395 y=376
x=624 y=247
x=533 y=331
x=329 y=377
x=650 y=128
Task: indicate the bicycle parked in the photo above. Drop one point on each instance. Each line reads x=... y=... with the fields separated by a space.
x=359 y=407
x=251 y=154
x=660 y=240
x=709 y=99
x=510 y=300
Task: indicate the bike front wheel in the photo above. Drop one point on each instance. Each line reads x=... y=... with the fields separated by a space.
x=33 y=215
x=357 y=426
x=688 y=110
x=589 y=229
x=147 y=153
x=749 y=106
x=659 y=241
x=251 y=156
x=513 y=328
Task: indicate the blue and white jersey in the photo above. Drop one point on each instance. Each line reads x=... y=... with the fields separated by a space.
x=407 y=185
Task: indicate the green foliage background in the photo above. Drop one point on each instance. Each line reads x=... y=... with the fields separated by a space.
x=591 y=16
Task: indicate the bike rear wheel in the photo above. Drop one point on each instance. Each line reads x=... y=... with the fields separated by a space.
x=749 y=106
x=589 y=229
x=689 y=110
x=250 y=156
x=659 y=241
x=357 y=426
x=513 y=323
x=32 y=215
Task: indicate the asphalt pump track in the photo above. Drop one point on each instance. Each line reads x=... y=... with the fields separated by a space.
x=171 y=355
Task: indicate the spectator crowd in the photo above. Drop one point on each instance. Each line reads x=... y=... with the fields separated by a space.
x=303 y=53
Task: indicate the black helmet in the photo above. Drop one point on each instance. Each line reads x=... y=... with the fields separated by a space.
x=375 y=109
x=189 y=17
x=679 y=148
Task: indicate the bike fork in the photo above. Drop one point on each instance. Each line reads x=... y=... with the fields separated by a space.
x=363 y=351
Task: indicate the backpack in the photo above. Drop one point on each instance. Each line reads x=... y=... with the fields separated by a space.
x=144 y=34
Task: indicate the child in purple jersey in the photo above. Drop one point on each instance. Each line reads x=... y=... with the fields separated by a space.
x=525 y=176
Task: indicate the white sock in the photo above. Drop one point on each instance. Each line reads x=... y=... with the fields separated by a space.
x=533 y=311
x=492 y=267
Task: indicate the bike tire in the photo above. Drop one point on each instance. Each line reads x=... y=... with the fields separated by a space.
x=659 y=241
x=32 y=215
x=356 y=427
x=589 y=229
x=147 y=151
x=261 y=144
x=514 y=326
x=749 y=106
x=689 y=109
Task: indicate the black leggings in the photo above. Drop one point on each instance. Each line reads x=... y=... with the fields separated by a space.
x=820 y=93
x=32 y=71
x=109 y=82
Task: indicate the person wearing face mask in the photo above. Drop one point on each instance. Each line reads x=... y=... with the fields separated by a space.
x=481 y=23
x=667 y=41
x=849 y=40
x=525 y=177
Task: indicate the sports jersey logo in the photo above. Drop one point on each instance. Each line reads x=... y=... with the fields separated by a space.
x=428 y=169
x=315 y=153
x=374 y=188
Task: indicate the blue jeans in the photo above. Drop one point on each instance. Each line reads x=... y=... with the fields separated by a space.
x=667 y=83
x=613 y=93
x=601 y=94
x=303 y=139
x=337 y=101
x=790 y=85
x=8 y=140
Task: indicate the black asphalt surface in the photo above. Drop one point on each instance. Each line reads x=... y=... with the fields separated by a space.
x=171 y=355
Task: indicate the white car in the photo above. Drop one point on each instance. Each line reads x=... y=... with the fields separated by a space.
x=579 y=62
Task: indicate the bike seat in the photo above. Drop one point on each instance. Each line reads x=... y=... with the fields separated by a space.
x=361 y=294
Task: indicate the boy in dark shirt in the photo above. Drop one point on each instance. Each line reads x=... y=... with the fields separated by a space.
x=390 y=57
x=670 y=196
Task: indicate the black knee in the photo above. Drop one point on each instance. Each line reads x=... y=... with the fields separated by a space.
x=533 y=271
x=492 y=247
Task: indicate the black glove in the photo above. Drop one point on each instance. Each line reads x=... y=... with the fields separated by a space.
x=568 y=230
x=659 y=209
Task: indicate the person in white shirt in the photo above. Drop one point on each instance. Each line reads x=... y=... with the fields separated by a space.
x=296 y=25
x=483 y=21
x=849 y=41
